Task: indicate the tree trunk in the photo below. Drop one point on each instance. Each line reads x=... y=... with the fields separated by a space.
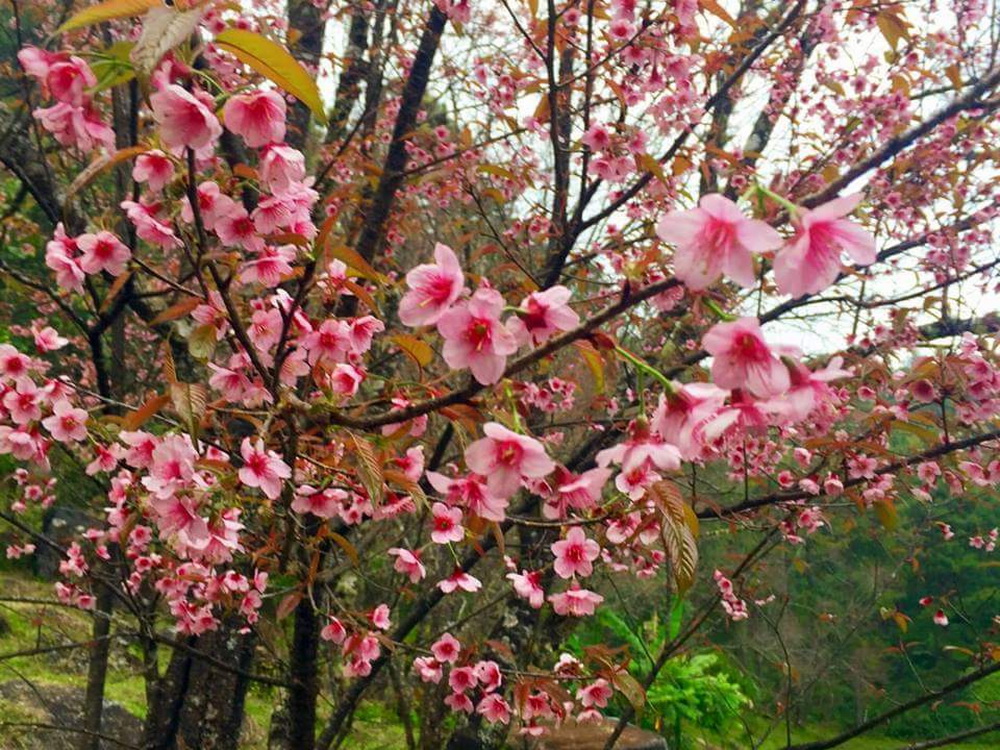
x=198 y=705
x=303 y=693
x=97 y=669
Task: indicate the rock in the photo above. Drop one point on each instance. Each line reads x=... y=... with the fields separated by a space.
x=589 y=736
x=57 y=706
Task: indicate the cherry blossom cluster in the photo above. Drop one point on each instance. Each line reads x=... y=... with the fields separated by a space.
x=474 y=336
x=735 y=607
x=716 y=239
x=74 y=120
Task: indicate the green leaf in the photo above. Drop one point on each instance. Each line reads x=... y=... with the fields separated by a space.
x=108 y=11
x=113 y=66
x=275 y=62
x=676 y=617
x=201 y=342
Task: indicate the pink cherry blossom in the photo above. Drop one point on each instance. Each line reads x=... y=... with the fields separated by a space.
x=642 y=455
x=428 y=669
x=580 y=492
x=185 y=119
x=179 y=516
x=379 y=617
x=462 y=679
x=595 y=695
x=281 y=168
x=140 y=448
x=715 y=239
x=471 y=493
x=744 y=360
x=446 y=524
x=76 y=126
x=272 y=264
x=47 y=338
x=235 y=228
x=575 y=554
x=459 y=702
x=494 y=709
x=528 y=585
x=37 y=61
x=345 y=379
x=333 y=631
x=460 y=580
x=329 y=343
x=62 y=256
x=13 y=364
x=408 y=563
x=810 y=261
x=102 y=252
x=475 y=337
x=258 y=117
x=412 y=463
x=325 y=503
x=433 y=288
x=575 y=601
x=67 y=422
x=809 y=389
x=680 y=415
x=262 y=468
x=362 y=332
x=68 y=81
x=23 y=402
x=489 y=675
x=213 y=204
x=597 y=137
x=154 y=168
x=148 y=227
x=542 y=314
x=505 y=458
x=446 y=649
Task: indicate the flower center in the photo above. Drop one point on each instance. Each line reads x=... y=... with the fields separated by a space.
x=750 y=347
x=479 y=333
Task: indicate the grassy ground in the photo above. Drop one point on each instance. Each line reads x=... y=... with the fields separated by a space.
x=34 y=626
x=811 y=733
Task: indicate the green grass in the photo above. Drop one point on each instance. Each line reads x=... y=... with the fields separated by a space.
x=35 y=625
x=868 y=742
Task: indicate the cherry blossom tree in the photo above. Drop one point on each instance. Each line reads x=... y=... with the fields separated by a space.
x=396 y=337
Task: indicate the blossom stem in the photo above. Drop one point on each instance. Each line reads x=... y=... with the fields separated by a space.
x=644 y=366
x=509 y=393
x=712 y=305
x=758 y=189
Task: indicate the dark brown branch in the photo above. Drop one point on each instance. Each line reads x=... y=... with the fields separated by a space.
x=952 y=739
x=376 y=213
